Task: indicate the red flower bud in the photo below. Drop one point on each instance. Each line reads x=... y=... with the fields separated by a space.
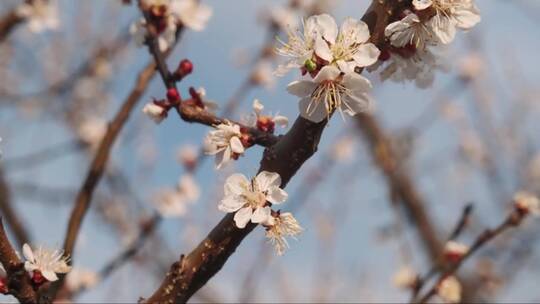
x=184 y=68
x=172 y=95
x=3 y=286
x=38 y=278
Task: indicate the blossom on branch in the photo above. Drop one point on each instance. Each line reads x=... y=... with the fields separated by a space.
x=250 y=199
x=279 y=227
x=191 y=13
x=454 y=251
x=225 y=143
x=449 y=290
x=526 y=203
x=155 y=111
x=43 y=264
x=331 y=90
x=265 y=123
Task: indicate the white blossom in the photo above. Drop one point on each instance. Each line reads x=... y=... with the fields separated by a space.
x=262 y=74
x=279 y=227
x=189 y=187
x=452 y=14
x=406 y=277
x=187 y=155
x=249 y=198
x=47 y=262
x=330 y=90
x=191 y=13
x=420 y=68
x=527 y=202
x=224 y=143
x=409 y=30
x=155 y=112
x=449 y=290
x=40 y=15
x=265 y=122
x=209 y=105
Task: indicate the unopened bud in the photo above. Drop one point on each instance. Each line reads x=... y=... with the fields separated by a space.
x=172 y=95
x=185 y=67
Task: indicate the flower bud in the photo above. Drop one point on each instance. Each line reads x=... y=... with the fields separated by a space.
x=184 y=68
x=172 y=95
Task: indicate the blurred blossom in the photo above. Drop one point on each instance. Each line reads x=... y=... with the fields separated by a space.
x=282 y=17
x=262 y=74
x=170 y=203
x=343 y=150
x=452 y=112
x=92 y=130
x=472 y=148
x=471 y=66
x=449 y=290
x=527 y=203
x=187 y=155
x=165 y=39
x=102 y=68
x=80 y=278
x=191 y=13
x=155 y=112
x=189 y=188
x=454 y=251
x=406 y=277
x=41 y=15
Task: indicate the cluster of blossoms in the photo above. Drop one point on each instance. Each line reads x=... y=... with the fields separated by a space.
x=329 y=58
x=251 y=201
x=420 y=28
x=40 y=15
x=166 y=16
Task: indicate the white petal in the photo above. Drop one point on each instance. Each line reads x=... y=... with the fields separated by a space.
x=242 y=217
x=301 y=88
x=356 y=82
x=355 y=104
x=258 y=107
x=222 y=158
x=236 y=145
x=356 y=31
x=329 y=72
x=261 y=215
x=49 y=275
x=266 y=180
x=236 y=184
x=323 y=50
x=317 y=111
x=367 y=55
x=422 y=4
x=28 y=254
x=29 y=267
x=328 y=27
x=276 y=195
x=466 y=18
x=281 y=120
x=230 y=204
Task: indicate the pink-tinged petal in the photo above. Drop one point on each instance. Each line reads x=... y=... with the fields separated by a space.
x=281 y=120
x=266 y=180
x=236 y=184
x=230 y=204
x=315 y=112
x=301 y=88
x=261 y=215
x=355 y=104
x=327 y=27
x=236 y=145
x=422 y=4
x=276 y=195
x=329 y=72
x=323 y=50
x=242 y=217
x=28 y=254
x=367 y=55
x=49 y=275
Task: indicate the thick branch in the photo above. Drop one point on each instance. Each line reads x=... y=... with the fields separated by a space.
x=8 y=22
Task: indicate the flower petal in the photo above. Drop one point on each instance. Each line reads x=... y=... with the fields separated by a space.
x=266 y=180
x=230 y=204
x=367 y=55
x=281 y=120
x=49 y=275
x=28 y=254
x=329 y=72
x=276 y=195
x=328 y=27
x=242 y=217
x=261 y=215
x=356 y=82
x=236 y=184
x=236 y=145
x=301 y=88
x=323 y=50
x=258 y=107
x=315 y=112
